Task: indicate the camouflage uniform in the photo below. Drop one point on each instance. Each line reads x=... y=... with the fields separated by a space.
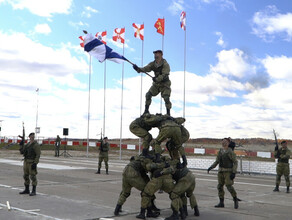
x=31 y=153
x=227 y=165
x=57 y=146
x=283 y=168
x=161 y=84
x=103 y=155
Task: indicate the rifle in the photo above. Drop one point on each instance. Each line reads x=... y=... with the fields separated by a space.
x=277 y=146
x=101 y=142
x=22 y=142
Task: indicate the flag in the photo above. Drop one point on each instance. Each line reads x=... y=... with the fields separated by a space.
x=183 y=20
x=119 y=35
x=81 y=41
x=139 y=31
x=101 y=36
x=101 y=51
x=159 y=24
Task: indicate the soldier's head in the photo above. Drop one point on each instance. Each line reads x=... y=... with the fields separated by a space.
x=31 y=136
x=225 y=143
x=158 y=55
x=105 y=139
x=284 y=144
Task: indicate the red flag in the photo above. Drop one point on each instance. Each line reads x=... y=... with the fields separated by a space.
x=139 y=31
x=101 y=36
x=183 y=20
x=119 y=35
x=81 y=41
x=160 y=25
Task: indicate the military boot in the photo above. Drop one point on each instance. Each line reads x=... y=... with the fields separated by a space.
x=146 y=110
x=185 y=208
x=288 y=190
x=235 y=202
x=174 y=216
x=276 y=188
x=151 y=214
x=98 y=171
x=196 y=211
x=141 y=214
x=168 y=111
x=33 y=192
x=106 y=171
x=220 y=204
x=153 y=206
x=182 y=213
x=117 y=209
x=26 y=190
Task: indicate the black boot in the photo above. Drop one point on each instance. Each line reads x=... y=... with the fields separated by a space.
x=98 y=171
x=220 y=204
x=182 y=213
x=235 y=202
x=141 y=214
x=288 y=190
x=117 y=209
x=26 y=190
x=106 y=171
x=146 y=110
x=185 y=208
x=174 y=216
x=168 y=111
x=196 y=211
x=153 y=206
x=276 y=188
x=33 y=192
x=151 y=214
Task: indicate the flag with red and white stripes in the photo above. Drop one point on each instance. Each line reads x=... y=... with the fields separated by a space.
x=139 y=31
x=119 y=35
x=183 y=20
x=101 y=36
x=81 y=41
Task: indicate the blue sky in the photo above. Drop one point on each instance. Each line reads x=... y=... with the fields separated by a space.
x=239 y=65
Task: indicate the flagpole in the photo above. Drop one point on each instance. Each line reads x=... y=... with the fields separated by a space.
x=185 y=55
x=88 y=115
x=141 y=91
x=121 y=128
x=104 y=92
x=162 y=47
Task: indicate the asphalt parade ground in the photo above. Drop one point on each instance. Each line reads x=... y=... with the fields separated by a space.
x=68 y=188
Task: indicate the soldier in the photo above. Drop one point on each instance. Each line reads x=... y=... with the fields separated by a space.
x=283 y=155
x=31 y=153
x=103 y=154
x=227 y=161
x=161 y=83
x=57 y=146
x=134 y=175
x=185 y=183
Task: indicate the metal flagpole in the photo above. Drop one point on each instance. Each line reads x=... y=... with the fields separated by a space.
x=88 y=115
x=162 y=52
x=104 y=91
x=141 y=91
x=185 y=54
x=37 y=114
x=121 y=128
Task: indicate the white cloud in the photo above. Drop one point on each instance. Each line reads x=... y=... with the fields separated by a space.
x=176 y=7
x=78 y=24
x=42 y=8
x=88 y=12
x=223 y=4
x=42 y=29
x=279 y=67
x=220 y=41
x=233 y=62
x=269 y=23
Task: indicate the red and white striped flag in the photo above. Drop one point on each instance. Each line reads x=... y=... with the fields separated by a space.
x=101 y=36
x=81 y=41
x=183 y=20
x=139 y=31
x=119 y=35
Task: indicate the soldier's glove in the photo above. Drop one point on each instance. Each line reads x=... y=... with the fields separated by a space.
x=157 y=174
x=232 y=176
x=34 y=166
x=154 y=79
x=210 y=168
x=179 y=165
x=135 y=67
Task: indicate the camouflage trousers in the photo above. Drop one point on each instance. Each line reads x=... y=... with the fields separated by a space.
x=29 y=174
x=164 y=182
x=131 y=178
x=224 y=179
x=103 y=156
x=185 y=186
x=283 y=169
x=164 y=89
x=141 y=133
